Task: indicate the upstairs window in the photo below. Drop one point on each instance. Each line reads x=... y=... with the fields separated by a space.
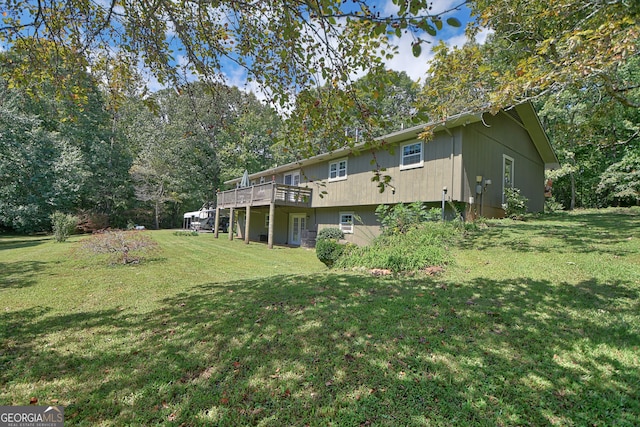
x=338 y=170
x=411 y=156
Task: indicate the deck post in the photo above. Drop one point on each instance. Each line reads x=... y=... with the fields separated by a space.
x=231 y=223
x=246 y=224
x=272 y=213
x=216 y=225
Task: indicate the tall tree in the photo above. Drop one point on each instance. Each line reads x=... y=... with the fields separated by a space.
x=285 y=45
x=41 y=171
x=191 y=141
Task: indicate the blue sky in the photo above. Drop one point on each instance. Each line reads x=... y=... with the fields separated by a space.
x=416 y=68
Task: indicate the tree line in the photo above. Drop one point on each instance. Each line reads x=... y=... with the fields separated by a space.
x=80 y=131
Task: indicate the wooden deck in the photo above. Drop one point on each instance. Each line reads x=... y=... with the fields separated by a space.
x=264 y=195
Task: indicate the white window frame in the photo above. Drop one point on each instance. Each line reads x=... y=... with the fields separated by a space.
x=504 y=170
x=266 y=220
x=293 y=175
x=347 y=227
x=340 y=172
x=418 y=164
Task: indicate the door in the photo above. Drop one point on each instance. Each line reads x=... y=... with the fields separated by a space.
x=297 y=223
x=507 y=174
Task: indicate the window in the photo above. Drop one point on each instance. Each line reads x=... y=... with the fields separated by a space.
x=266 y=221
x=507 y=174
x=292 y=178
x=411 y=156
x=338 y=170
x=346 y=222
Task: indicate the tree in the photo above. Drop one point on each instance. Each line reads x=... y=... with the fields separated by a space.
x=620 y=183
x=41 y=171
x=285 y=45
x=545 y=48
x=192 y=140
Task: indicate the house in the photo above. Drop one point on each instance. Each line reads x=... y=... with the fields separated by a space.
x=468 y=163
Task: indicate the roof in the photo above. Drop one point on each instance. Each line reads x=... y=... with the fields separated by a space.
x=525 y=111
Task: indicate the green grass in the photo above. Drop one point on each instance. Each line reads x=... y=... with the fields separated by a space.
x=536 y=323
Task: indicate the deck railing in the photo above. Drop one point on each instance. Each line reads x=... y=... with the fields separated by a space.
x=265 y=194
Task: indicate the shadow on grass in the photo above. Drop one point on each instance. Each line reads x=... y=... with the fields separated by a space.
x=587 y=232
x=12 y=242
x=19 y=274
x=343 y=349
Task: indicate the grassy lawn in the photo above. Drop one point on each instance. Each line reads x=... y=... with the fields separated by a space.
x=536 y=323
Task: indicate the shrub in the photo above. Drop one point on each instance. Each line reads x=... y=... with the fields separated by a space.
x=328 y=251
x=330 y=233
x=515 y=205
x=551 y=205
x=400 y=218
x=63 y=225
x=418 y=248
x=124 y=247
x=186 y=233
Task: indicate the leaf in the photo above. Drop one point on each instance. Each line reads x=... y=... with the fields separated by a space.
x=454 y=22
x=416 y=49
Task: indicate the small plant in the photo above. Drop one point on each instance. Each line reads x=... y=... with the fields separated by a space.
x=330 y=233
x=185 y=233
x=63 y=225
x=328 y=251
x=551 y=205
x=400 y=218
x=515 y=205
x=124 y=247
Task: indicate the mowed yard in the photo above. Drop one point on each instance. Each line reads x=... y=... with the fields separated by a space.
x=535 y=323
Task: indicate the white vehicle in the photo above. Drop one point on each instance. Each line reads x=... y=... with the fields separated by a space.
x=204 y=219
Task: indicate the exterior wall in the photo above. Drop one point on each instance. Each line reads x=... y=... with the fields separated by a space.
x=366 y=225
x=483 y=150
x=423 y=183
x=452 y=159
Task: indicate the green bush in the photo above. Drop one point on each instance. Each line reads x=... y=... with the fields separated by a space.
x=328 y=251
x=515 y=205
x=63 y=225
x=330 y=233
x=186 y=233
x=420 y=247
x=400 y=218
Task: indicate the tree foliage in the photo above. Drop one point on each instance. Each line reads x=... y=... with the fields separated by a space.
x=545 y=48
x=284 y=45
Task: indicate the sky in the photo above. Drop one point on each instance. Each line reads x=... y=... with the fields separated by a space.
x=404 y=60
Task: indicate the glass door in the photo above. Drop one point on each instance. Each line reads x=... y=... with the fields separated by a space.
x=297 y=223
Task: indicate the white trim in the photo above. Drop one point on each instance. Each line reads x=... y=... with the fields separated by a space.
x=346 y=227
x=339 y=170
x=302 y=225
x=504 y=170
x=412 y=165
x=293 y=175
